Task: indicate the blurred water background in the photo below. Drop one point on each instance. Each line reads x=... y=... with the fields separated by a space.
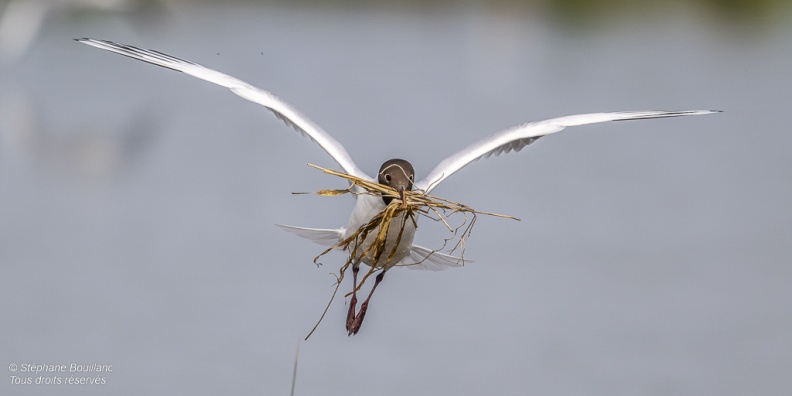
x=137 y=205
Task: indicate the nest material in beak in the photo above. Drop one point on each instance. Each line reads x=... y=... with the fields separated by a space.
x=409 y=204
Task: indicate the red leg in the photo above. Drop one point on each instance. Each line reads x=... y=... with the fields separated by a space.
x=358 y=319
x=353 y=302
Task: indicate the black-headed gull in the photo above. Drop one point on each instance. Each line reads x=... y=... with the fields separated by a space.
x=396 y=173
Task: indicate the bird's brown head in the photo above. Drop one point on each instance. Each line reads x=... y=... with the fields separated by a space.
x=396 y=173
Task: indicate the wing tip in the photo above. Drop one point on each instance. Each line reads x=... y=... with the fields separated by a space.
x=649 y=114
x=697 y=112
x=90 y=41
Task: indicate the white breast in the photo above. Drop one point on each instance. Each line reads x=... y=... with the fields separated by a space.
x=368 y=206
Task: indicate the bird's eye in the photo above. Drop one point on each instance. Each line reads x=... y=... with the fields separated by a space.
x=387 y=177
x=411 y=177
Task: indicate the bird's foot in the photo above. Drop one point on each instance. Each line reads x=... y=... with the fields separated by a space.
x=351 y=315
x=353 y=326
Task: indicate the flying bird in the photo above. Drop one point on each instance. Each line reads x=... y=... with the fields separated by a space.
x=396 y=173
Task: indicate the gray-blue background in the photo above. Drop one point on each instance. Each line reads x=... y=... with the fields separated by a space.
x=654 y=257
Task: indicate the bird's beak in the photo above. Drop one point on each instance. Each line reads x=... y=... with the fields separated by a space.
x=401 y=195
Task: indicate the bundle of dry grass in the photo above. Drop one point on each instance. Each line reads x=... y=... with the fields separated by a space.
x=415 y=203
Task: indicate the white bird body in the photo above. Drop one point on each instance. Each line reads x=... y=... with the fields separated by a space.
x=367 y=206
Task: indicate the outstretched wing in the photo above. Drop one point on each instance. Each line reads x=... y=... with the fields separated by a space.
x=281 y=109
x=422 y=258
x=322 y=236
x=514 y=139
